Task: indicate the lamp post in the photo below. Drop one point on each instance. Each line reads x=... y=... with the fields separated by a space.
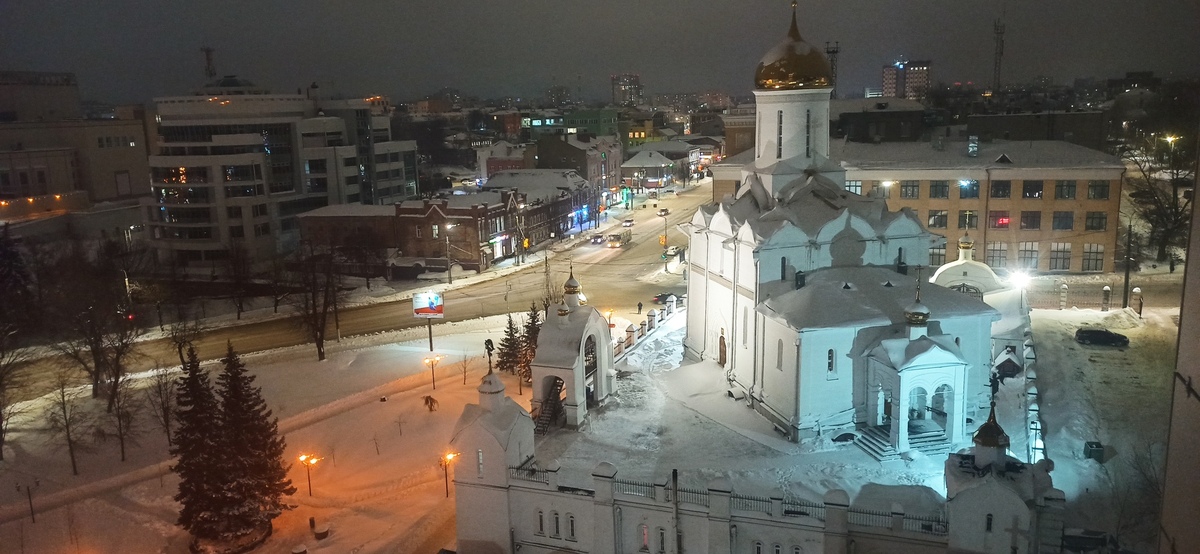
x=432 y=362
x=449 y=262
x=309 y=460
x=445 y=462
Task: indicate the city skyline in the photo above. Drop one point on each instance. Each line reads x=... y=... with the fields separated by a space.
x=500 y=49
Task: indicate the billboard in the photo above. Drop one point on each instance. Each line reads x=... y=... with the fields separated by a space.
x=427 y=305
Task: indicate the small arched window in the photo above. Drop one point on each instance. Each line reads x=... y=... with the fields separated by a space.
x=758 y=547
x=988 y=526
x=570 y=527
x=783 y=268
x=554 y=520
x=957 y=341
x=644 y=533
x=777 y=549
x=479 y=462
x=779 y=354
x=662 y=539
x=797 y=550
x=541 y=522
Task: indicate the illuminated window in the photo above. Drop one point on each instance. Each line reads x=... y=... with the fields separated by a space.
x=1093 y=257
x=434 y=231
x=997 y=254
x=644 y=533
x=1031 y=189
x=854 y=186
x=968 y=189
x=998 y=219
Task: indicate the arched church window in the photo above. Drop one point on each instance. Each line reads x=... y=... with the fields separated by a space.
x=779 y=135
x=570 y=527
x=644 y=533
x=989 y=523
x=779 y=354
x=541 y=528
x=797 y=550
x=807 y=140
x=745 y=325
x=783 y=268
x=957 y=341
x=479 y=462
x=589 y=356
x=830 y=366
x=758 y=547
x=778 y=549
x=662 y=539
x=554 y=518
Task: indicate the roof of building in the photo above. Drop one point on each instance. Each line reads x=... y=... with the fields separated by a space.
x=922 y=155
x=839 y=106
x=536 y=183
x=351 y=210
x=673 y=146
x=560 y=339
x=498 y=423
x=648 y=158
x=460 y=201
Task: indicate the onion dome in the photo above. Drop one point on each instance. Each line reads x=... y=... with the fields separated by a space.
x=793 y=64
x=571 y=286
x=990 y=434
x=916 y=314
x=491 y=384
x=563 y=310
x=966 y=243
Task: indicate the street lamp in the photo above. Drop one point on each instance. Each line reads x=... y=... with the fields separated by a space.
x=608 y=316
x=432 y=362
x=309 y=460
x=449 y=262
x=445 y=462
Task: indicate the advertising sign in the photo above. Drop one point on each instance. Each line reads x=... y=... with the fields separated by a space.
x=427 y=305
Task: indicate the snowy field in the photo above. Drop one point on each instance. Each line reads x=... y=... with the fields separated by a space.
x=379 y=487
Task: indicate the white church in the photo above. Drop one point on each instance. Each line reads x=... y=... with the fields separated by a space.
x=807 y=295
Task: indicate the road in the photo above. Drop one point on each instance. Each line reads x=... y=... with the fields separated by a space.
x=609 y=277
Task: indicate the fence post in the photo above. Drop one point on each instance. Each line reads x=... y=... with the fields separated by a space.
x=1106 y=299
x=897 y=517
x=1137 y=300
x=720 y=493
x=776 y=506
x=1062 y=297
x=837 y=532
x=660 y=489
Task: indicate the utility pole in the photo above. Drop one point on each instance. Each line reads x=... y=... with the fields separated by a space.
x=210 y=69
x=1128 y=263
x=832 y=53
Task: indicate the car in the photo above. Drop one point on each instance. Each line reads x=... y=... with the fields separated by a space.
x=663 y=212
x=661 y=298
x=597 y=239
x=627 y=223
x=1102 y=337
x=671 y=251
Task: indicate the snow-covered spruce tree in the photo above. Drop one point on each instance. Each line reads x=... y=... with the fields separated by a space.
x=250 y=443
x=529 y=337
x=196 y=451
x=508 y=356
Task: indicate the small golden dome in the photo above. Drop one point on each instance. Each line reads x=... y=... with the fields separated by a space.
x=571 y=286
x=966 y=243
x=916 y=314
x=990 y=434
x=793 y=64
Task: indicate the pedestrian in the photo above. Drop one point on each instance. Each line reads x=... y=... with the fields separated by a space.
x=639 y=307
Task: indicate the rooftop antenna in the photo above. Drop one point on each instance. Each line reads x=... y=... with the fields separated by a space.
x=998 y=30
x=210 y=69
x=832 y=53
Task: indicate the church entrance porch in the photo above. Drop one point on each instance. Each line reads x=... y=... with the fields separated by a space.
x=916 y=420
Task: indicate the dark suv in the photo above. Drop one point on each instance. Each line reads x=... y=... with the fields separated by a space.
x=1100 y=336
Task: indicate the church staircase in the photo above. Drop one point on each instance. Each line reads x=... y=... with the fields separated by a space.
x=875 y=441
x=550 y=409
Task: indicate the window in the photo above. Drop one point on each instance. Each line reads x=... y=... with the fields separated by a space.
x=883 y=189
x=807 y=133
x=1001 y=189
x=937 y=219
x=350 y=162
x=1097 y=190
x=779 y=354
x=779 y=135
x=854 y=186
x=41 y=177
x=988 y=524
x=968 y=219
x=1031 y=220
x=1064 y=190
x=830 y=367
x=777 y=549
x=797 y=550
x=1031 y=189
x=570 y=527
x=1063 y=221
x=910 y=189
x=662 y=539
x=968 y=188
x=315 y=166
x=554 y=518
x=758 y=547
x=939 y=189
x=434 y=231
x=998 y=219
x=996 y=254
x=236 y=232
x=1093 y=257
x=937 y=255
x=1060 y=256
x=259 y=210
x=479 y=462
x=1095 y=221
x=644 y=532
x=541 y=529
x=418 y=229
x=262 y=229
x=234 y=212
x=1027 y=255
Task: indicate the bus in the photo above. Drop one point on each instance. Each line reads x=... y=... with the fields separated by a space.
x=617 y=240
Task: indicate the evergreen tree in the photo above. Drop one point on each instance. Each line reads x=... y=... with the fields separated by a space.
x=195 y=448
x=529 y=338
x=250 y=443
x=15 y=284
x=509 y=355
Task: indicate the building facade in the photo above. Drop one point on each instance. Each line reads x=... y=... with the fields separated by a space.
x=906 y=79
x=597 y=159
x=627 y=90
x=1044 y=206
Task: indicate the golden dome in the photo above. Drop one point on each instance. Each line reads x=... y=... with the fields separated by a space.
x=990 y=434
x=966 y=243
x=793 y=64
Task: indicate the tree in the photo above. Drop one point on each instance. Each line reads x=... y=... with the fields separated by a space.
x=465 y=365
x=183 y=335
x=252 y=452
x=1156 y=192
x=68 y=420
x=196 y=451
x=123 y=418
x=278 y=281
x=318 y=286
x=160 y=398
x=509 y=355
x=529 y=338
x=12 y=359
x=237 y=266
x=365 y=247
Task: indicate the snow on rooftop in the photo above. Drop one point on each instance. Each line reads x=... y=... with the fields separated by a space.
x=922 y=155
x=345 y=210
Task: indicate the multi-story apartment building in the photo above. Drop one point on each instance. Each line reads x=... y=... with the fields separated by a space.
x=906 y=79
x=739 y=129
x=498 y=157
x=236 y=164
x=597 y=159
x=627 y=90
x=1046 y=206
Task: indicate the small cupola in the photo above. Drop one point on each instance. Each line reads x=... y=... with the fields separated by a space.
x=491 y=392
x=916 y=315
x=990 y=440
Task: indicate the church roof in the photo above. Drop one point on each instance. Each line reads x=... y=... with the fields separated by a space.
x=861 y=296
x=900 y=353
x=560 y=342
x=793 y=64
x=499 y=423
x=990 y=434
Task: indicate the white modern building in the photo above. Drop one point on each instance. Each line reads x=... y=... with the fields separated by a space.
x=236 y=164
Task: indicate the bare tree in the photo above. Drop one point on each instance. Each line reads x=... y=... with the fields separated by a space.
x=160 y=398
x=12 y=359
x=1156 y=192
x=68 y=419
x=278 y=280
x=183 y=334
x=124 y=415
x=238 y=267
x=319 y=286
x=465 y=365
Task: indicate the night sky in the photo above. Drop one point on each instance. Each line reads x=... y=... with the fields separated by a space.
x=132 y=50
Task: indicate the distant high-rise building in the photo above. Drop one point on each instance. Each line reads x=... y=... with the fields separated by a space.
x=906 y=79
x=558 y=95
x=627 y=90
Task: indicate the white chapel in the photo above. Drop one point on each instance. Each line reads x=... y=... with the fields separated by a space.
x=807 y=294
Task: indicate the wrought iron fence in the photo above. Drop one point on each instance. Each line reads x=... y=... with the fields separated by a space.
x=633 y=487
x=928 y=525
x=535 y=475
x=803 y=508
x=693 y=496
x=869 y=518
x=750 y=503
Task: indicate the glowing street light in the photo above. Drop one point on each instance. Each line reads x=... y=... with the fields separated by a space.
x=309 y=460
x=608 y=316
x=445 y=462
x=432 y=362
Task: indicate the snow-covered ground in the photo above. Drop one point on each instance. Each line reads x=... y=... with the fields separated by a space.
x=380 y=488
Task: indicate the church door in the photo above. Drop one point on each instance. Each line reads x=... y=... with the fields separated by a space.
x=721 y=352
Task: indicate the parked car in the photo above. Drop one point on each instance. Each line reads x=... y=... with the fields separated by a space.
x=597 y=239
x=627 y=223
x=671 y=251
x=1100 y=336
x=663 y=212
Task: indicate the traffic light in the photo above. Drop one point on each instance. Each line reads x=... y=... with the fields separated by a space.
x=662 y=239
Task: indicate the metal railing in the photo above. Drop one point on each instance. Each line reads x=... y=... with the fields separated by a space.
x=634 y=488
x=796 y=508
x=928 y=525
x=693 y=496
x=535 y=475
x=750 y=503
x=869 y=518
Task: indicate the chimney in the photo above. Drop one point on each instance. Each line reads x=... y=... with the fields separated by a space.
x=800 y=278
